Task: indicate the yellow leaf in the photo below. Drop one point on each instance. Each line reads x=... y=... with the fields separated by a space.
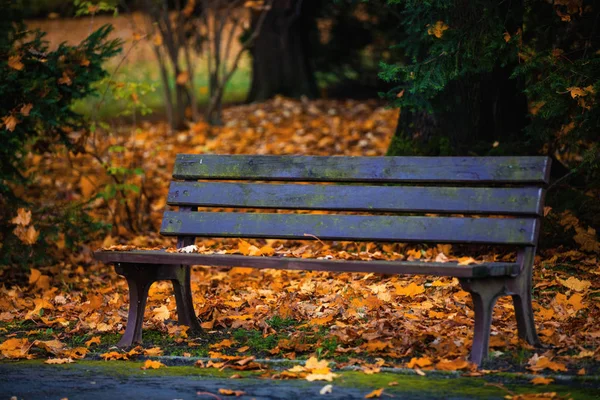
x=161 y=313
x=59 y=361
x=10 y=122
x=267 y=250
x=411 y=290
x=157 y=39
x=154 y=351
x=26 y=109
x=321 y=377
x=151 y=364
x=542 y=381
x=575 y=284
x=15 y=62
x=374 y=394
x=437 y=29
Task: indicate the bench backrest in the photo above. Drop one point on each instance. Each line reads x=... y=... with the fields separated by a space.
x=492 y=200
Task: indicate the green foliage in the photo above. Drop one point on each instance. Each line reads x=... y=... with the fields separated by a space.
x=550 y=50
x=37 y=89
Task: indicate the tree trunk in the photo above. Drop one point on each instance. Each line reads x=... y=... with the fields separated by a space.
x=280 y=55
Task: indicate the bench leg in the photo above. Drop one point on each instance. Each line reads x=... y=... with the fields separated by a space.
x=183 y=296
x=484 y=293
x=520 y=289
x=139 y=283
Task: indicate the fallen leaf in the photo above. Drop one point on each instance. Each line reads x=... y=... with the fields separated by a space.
x=575 y=284
x=375 y=394
x=94 y=340
x=411 y=290
x=59 y=361
x=151 y=364
x=542 y=381
x=326 y=389
x=161 y=313
x=229 y=392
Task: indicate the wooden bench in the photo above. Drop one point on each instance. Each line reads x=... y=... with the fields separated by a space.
x=484 y=200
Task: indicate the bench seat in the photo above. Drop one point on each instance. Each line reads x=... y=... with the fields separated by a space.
x=150 y=257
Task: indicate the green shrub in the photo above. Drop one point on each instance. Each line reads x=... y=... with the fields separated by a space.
x=37 y=89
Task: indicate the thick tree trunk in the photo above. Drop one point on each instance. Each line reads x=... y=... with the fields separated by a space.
x=470 y=115
x=280 y=55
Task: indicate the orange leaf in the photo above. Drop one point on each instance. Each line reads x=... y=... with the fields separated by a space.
x=150 y=364
x=26 y=109
x=229 y=392
x=419 y=362
x=15 y=62
x=59 y=361
x=437 y=29
x=94 y=340
x=454 y=365
x=374 y=394
x=182 y=78
x=411 y=290
x=34 y=276
x=541 y=380
x=10 y=122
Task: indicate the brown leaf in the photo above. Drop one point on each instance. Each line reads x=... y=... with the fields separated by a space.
x=14 y=62
x=26 y=109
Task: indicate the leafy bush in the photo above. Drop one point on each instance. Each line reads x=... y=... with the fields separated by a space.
x=37 y=89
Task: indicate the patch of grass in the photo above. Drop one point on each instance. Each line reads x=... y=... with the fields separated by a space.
x=106 y=106
x=278 y=323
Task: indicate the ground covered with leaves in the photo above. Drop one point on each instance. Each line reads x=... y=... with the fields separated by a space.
x=76 y=308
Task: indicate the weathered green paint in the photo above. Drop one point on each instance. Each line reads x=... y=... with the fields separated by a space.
x=381 y=169
x=515 y=231
x=525 y=200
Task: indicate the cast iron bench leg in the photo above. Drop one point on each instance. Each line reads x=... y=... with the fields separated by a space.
x=484 y=293
x=183 y=297
x=520 y=288
x=139 y=281
x=140 y=278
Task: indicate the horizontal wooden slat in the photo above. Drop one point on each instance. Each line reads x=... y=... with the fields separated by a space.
x=385 y=267
x=363 y=169
x=526 y=200
x=519 y=231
